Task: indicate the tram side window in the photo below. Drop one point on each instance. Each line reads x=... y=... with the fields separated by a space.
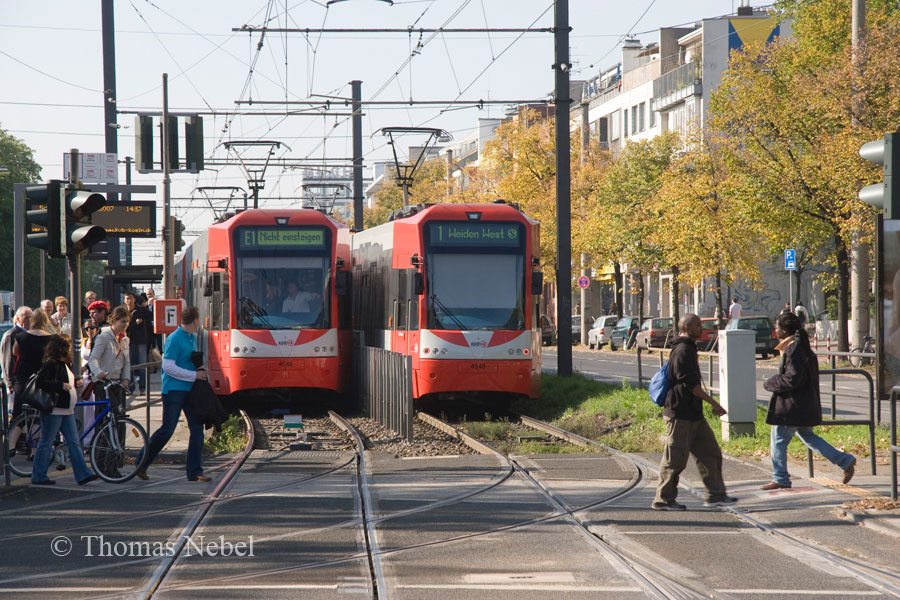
x=223 y=303
x=216 y=308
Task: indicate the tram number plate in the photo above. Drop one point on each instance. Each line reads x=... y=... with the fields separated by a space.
x=478 y=367
x=284 y=364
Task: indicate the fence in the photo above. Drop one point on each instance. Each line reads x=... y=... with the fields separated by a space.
x=870 y=422
x=894 y=448
x=383 y=383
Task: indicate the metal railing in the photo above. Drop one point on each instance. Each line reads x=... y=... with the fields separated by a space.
x=147 y=367
x=383 y=384
x=678 y=78
x=894 y=448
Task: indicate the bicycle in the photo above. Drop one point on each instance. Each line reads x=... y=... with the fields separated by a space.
x=117 y=440
x=867 y=347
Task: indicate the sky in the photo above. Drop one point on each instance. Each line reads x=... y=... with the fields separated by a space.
x=52 y=70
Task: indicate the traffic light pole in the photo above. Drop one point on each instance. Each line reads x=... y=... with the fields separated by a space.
x=75 y=295
x=168 y=248
x=19 y=243
x=356 y=87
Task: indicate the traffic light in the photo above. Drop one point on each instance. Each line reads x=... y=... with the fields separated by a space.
x=79 y=233
x=42 y=202
x=193 y=143
x=143 y=143
x=177 y=231
x=884 y=195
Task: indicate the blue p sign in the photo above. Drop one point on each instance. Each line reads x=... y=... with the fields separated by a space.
x=790 y=260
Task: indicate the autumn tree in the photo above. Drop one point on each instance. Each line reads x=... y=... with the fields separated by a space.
x=624 y=218
x=706 y=229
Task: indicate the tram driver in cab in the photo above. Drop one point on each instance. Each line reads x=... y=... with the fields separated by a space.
x=300 y=301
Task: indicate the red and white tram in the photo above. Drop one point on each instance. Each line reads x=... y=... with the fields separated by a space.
x=272 y=289
x=456 y=287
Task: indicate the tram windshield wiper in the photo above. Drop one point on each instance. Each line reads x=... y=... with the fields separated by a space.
x=447 y=311
x=255 y=311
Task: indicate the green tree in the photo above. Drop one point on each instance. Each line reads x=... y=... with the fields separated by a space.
x=624 y=218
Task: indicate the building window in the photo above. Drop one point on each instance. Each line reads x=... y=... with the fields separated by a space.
x=652 y=118
x=625 y=123
x=634 y=120
x=641 y=111
x=614 y=126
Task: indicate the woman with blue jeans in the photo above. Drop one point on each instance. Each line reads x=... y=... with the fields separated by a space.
x=55 y=377
x=795 y=407
x=179 y=374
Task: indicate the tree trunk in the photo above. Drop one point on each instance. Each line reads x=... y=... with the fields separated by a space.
x=720 y=310
x=617 y=287
x=640 y=298
x=676 y=304
x=843 y=270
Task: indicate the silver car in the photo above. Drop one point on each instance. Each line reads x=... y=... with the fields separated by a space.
x=601 y=330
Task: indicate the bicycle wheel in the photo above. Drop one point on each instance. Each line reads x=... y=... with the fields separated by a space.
x=22 y=463
x=855 y=361
x=115 y=448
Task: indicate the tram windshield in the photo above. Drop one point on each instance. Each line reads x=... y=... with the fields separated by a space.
x=282 y=285
x=472 y=291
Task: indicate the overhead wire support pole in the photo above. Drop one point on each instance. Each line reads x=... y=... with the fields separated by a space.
x=561 y=67
x=168 y=246
x=356 y=126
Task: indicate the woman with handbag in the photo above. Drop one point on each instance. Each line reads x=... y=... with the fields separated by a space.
x=28 y=354
x=56 y=378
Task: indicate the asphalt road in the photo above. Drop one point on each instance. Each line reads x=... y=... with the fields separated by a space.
x=617 y=367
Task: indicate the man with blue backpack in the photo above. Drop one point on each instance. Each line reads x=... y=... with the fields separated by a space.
x=687 y=431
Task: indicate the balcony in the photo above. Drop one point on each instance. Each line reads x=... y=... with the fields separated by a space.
x=676 y=85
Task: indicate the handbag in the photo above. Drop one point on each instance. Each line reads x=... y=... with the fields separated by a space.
x=38 y=398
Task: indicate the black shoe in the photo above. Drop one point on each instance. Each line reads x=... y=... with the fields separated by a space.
x=44 y=482
x=670 y=505
x=721 y=501
x=60 y=467
x=12 y=453
x=89 y=479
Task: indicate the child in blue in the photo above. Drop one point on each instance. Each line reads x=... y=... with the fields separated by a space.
x=179 y=374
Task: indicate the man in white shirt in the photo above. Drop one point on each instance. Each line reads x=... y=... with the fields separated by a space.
x=735 y=311
x=296 y=300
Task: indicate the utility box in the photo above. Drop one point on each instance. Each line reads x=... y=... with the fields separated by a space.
x=737 y=382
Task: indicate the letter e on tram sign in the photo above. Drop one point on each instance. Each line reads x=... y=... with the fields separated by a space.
x=166 y=315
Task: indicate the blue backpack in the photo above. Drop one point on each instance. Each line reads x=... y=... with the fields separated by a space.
x=659 y=386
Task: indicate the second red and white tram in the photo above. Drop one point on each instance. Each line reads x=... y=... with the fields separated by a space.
x=455 y=287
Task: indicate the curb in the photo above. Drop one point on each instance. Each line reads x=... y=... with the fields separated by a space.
x=882 y=521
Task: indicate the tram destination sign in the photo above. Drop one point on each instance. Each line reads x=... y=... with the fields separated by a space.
x=475 y=234
x=270 y=238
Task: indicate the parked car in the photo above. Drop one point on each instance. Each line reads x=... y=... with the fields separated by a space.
x=655 y=332
x=548 y=331
x=621 y=333
x=765 y=333
x=710 y=334
x=576 y=329
x=601 y=330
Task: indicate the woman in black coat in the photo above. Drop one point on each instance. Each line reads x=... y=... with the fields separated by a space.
x=55 y=377
x=795 y=407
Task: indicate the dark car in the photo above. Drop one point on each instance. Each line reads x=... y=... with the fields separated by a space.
x=548 y=331
x=765 y=333
x=621 y=335
x=656 y=333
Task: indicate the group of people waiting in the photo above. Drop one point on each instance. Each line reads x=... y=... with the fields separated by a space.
x=112 y=340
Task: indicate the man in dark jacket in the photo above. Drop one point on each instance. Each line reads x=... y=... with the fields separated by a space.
x=140 y=330
x=687 y=431
x=795 y=407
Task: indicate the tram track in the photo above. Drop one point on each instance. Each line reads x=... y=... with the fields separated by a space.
x=879 y=579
